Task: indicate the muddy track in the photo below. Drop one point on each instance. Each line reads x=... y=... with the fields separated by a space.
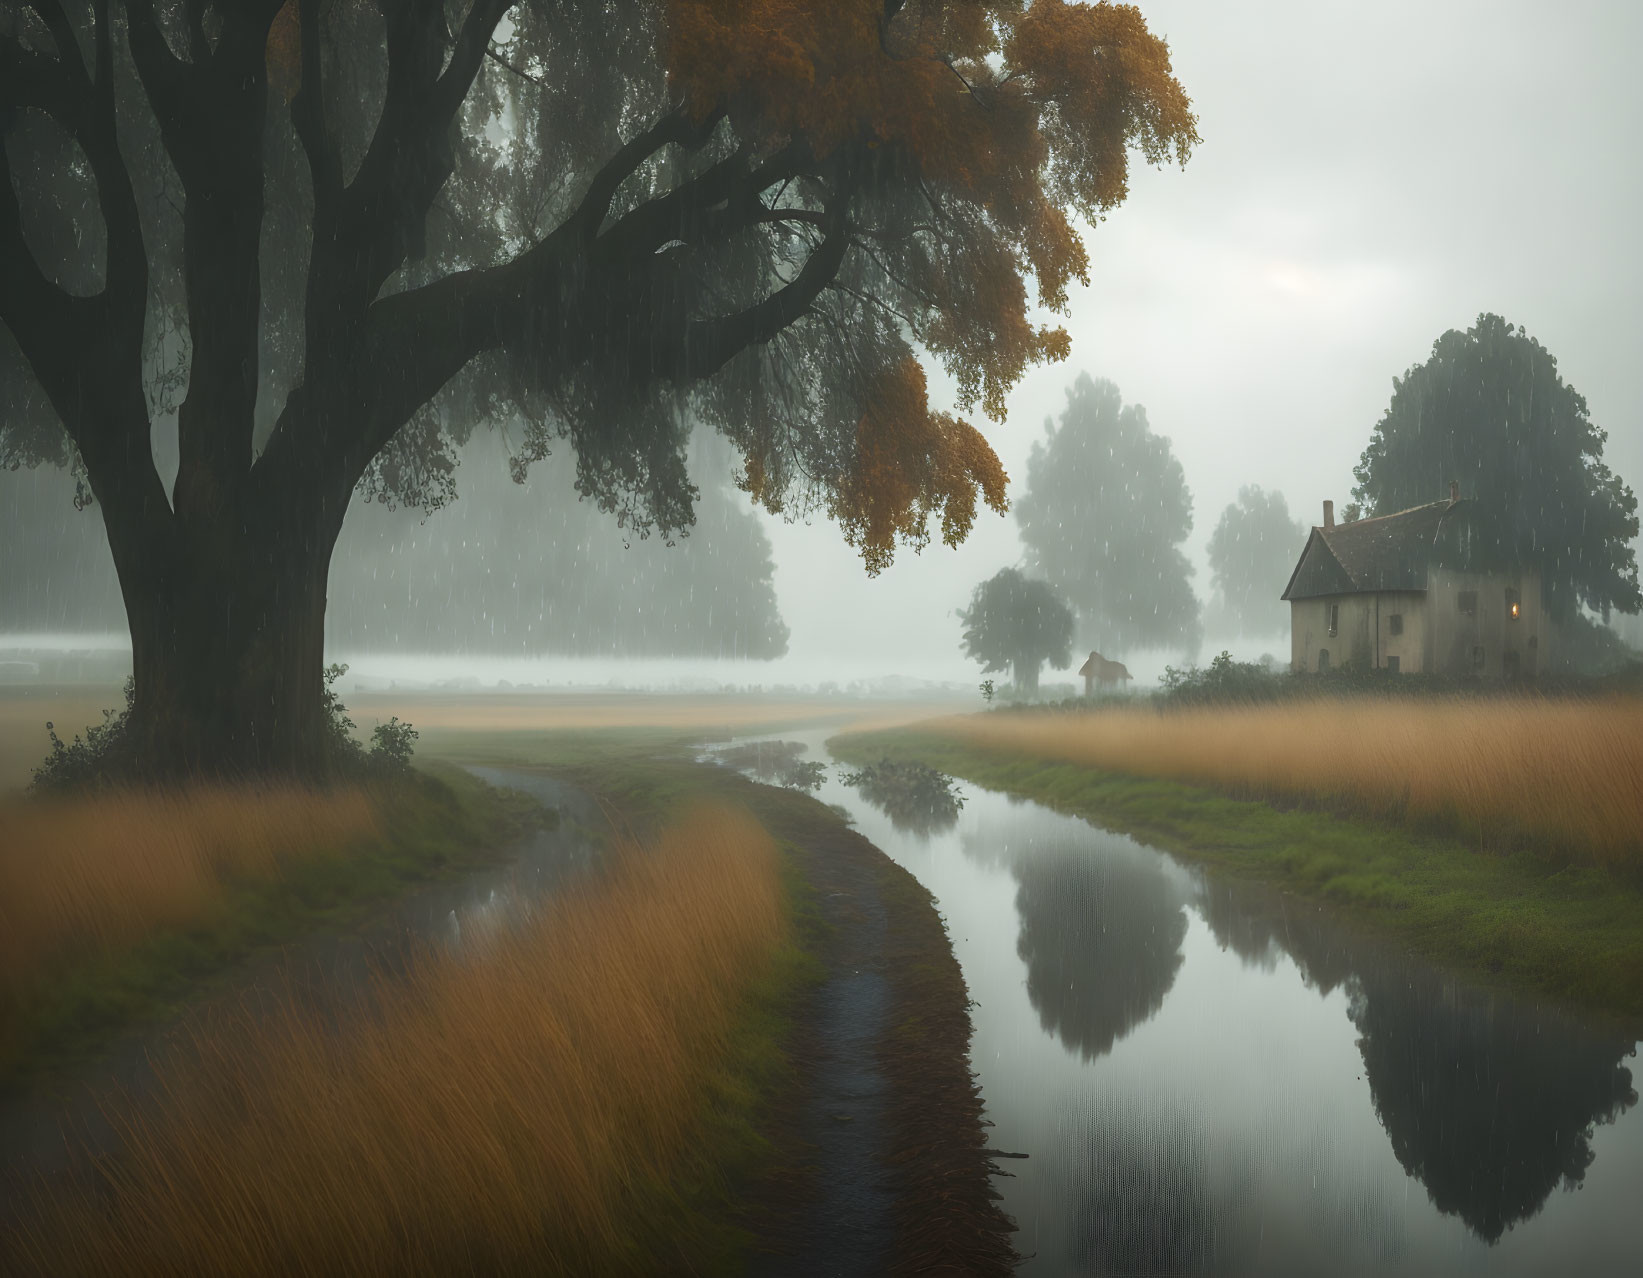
x=884 y=1165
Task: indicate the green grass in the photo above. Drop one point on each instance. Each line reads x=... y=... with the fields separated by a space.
x=439 y=825
x=1571 y=933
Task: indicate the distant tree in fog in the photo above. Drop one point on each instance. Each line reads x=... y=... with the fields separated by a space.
x=1016 y=624
x=1490 y=410
x=1251 y=554
x=1103 y=515
x=530 y=569
x=338 y=238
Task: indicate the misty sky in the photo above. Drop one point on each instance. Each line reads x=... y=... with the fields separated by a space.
x=1370 y=176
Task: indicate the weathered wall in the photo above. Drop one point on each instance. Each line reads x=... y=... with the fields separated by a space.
x=1508 y=646
x=1352 y=644
x=1410 y=646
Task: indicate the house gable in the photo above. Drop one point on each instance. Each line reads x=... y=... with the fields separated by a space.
x=1319 y=572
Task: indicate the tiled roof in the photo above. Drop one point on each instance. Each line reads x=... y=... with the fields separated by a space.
x=1388 y=552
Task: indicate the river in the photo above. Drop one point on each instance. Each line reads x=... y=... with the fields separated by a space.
x=1210 y=1077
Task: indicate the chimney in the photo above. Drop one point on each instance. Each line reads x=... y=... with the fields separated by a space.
x=1329 y=514
x=1454 y=491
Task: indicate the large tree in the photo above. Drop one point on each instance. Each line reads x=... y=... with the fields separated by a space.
x=1014 y=623
x=1251 y=554
x=1490 y=410
x=337 y=236
x=1103 y=516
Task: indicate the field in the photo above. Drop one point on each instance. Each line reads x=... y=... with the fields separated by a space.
x=450 y=720
x=614 y=1081
x=537 y=1095
x=1562 y=777
x=117 y=908
x=100 y=874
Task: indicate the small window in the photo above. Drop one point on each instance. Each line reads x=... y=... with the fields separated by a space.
x=1511 y=664
x=1394 y=624
x=1514 y=604
x=1334 y=619
x=1477 y=657
x=1392 y=665
x=1323 y=660
x=1468 y=603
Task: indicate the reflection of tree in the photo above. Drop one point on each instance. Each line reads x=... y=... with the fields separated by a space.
x=1101 y=937
x=1488 y=1102
x=779 y=762
x=917 y=799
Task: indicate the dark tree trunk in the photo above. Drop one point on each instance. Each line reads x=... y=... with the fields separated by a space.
x=227 y=639
x=1026 y=678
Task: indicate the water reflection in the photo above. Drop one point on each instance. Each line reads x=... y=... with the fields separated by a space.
x=1301 y=1101
x=918 y=799
x=1100 y=935
x=1489 y=1102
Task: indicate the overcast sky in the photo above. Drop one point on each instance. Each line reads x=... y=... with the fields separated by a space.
x=1370 y=176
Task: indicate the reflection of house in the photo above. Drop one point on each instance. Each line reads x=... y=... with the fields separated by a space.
x=1417 y=591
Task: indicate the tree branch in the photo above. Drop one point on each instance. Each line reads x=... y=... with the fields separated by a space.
x=710 y=344
x=308 y=120
x=62 y=35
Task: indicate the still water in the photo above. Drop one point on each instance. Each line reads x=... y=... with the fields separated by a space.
x=1209 y=1078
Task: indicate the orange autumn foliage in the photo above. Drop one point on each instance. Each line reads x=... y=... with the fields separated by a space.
x=912 y=463
x=1009 y=118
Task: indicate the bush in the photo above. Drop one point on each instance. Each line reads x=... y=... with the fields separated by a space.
x=104 y=755
x=88 y=762
x=391 y=742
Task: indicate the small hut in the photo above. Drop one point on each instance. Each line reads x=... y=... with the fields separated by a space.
x=1098 y=670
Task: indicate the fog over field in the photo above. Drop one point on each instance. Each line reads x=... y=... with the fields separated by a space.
x=1368 y=179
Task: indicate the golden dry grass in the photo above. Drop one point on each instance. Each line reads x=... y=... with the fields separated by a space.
x=102 y=872
x=500 y=1109
x=1561 y=774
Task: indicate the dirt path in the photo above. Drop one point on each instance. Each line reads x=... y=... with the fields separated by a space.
x=886 y=1168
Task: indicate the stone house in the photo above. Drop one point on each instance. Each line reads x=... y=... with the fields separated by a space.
x=1414 y=592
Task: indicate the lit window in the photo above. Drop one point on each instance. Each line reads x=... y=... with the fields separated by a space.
x=1468 y=603
x=1514 y=604
x=1394 y=623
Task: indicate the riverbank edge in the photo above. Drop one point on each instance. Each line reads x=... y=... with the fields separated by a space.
x=945 y=1216
x=440 y=824
x=1512 y=921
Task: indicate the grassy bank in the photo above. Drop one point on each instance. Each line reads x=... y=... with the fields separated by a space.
x=1563 y=778
x=117 y=908
x=542 y=1101
x=1543 y=924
